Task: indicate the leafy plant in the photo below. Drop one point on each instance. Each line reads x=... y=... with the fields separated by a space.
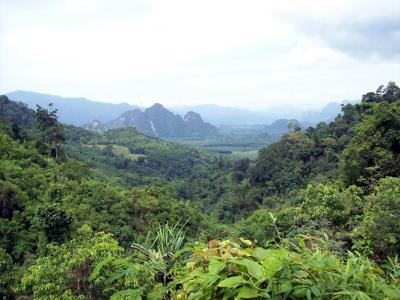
x=224 y=270
x=64 y=272
x=6 y=275
x=393 y=270
x=163 y=252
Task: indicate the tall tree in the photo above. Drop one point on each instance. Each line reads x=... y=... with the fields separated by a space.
x=51 y=130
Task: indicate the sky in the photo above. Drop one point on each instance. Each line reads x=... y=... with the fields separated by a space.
x=253 y=54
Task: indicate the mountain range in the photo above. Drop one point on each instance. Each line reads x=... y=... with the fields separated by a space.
x=182 y=121
x=78 y=111
x=73 y=111
x=222 y=115
x=158 y=121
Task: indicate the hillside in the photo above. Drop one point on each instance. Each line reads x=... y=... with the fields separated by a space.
x=131 y=154
x=121 y=215
x=15 y=113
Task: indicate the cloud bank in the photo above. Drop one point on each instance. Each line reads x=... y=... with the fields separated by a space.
x=253 y=54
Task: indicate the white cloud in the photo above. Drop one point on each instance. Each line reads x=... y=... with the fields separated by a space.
x=237 y=53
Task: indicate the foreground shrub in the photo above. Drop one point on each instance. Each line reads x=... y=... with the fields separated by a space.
x=224 y=270
x=378 y=233
x=92 y=266
x=64 y=273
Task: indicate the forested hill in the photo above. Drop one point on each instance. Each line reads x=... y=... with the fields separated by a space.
x=16 y=113
x=121 y=215
x=131 y=154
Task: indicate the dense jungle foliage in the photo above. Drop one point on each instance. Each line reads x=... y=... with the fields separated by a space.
x=121 y=215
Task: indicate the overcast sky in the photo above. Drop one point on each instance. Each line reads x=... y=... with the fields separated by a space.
x=251 y=54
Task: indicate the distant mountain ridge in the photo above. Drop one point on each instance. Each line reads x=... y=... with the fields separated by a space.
x=78 y=111
x=220 y=115
x=73 y=111
x=158 y=121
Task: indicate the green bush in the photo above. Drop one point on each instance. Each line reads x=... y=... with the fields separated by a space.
x=330 y=203
x=64 y=272
x=6 y=275
x=224 y=270
x=378 y=233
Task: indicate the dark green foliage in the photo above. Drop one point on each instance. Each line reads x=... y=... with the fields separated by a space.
x=330 y=203
x=6 y=275
x=240 y=169
x=64 y=272
x=374 y=152
x=390 y=93
x=378 y=233
x=16 y=113
x=154 y=205
x=237 y=202
x=284 y=165
x=260 y=226
x=9 y=201
x=52 y=132
x=54 y=221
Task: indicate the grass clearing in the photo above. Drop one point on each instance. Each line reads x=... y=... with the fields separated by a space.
x=121 y=151
x=250 y=154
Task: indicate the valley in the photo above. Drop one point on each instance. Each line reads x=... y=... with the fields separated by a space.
x=117 y=214
x=199 y=150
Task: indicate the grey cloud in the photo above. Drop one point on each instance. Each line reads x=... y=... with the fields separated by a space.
x=381 y=37
x=361 y=38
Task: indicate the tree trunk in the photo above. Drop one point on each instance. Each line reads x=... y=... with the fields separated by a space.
x=54 y=150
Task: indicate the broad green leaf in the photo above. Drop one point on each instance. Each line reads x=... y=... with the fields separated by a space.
x=246 y=242
x=253 y=268
x=208 y=279
x=316 y=290
x=245 y=252
x=272 y=263
x=260 y=253
x=100 y=266
x=115 y=276
x=216 y=266
x=300 y=274
x=196 y=273
x=300 y=291
x=247 y=292
x=285 y=287
x=232 y=282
